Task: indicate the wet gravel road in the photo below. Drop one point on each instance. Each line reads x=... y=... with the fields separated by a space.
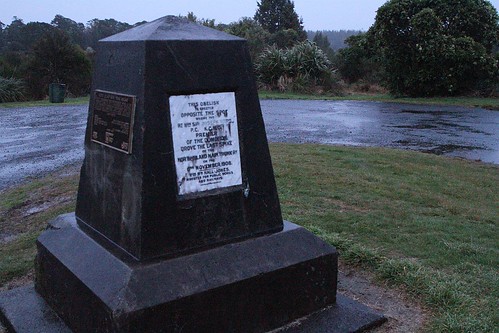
x=442 y=130
x=37 y=140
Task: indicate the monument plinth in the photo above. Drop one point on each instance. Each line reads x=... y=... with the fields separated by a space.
x=178 y=225
x=176 y=152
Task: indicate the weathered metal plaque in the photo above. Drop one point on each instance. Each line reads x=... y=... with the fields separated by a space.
x=206 y=142
x=112 y=120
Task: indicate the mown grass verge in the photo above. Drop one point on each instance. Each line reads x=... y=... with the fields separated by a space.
x=24 y=213
x=486 y=103
x=425 y=223
x=67 y=101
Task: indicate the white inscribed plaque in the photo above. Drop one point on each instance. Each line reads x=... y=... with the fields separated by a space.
x=205 y=142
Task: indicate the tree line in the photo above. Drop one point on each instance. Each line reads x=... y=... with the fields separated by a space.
x=35 y=54
x=336 y=38
x=415 y=48
x=429 y=48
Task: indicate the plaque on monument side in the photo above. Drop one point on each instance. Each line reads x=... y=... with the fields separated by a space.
x=206 y=143
x=112 y=120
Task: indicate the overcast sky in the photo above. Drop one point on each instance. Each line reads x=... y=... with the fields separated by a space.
x=316 y=14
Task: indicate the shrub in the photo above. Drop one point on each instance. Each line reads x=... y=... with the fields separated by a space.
x=13 y=64
x=359 y=61
x=56 y=60
x=249 y=29
x=438 y=47
x=11 y=90
x=271 y=65
x=300 y=68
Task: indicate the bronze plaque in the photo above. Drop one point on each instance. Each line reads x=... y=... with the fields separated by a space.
x=112 y=120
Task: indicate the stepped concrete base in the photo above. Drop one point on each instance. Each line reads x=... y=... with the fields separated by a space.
x=22 y=310
x=254 y=285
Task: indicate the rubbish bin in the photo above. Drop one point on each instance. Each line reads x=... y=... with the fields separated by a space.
x=57 y=92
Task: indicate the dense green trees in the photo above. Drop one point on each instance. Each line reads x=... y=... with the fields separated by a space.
x=277 y=43
x=40 y=53
x=43 y=53
x=277 y=15
x=19 y=37
x=257 y=37
x=415 y=47
x=336 y=38
x=280 y=19
x=437 y=47
x=11 y=90
x=291 y=62
x=98 y=29
x=75 y=31
x=56 y=59
x=323 y=43
x=359 y=61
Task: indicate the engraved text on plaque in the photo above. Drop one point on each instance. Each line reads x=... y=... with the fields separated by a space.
x=206 y=142
x=112 y=120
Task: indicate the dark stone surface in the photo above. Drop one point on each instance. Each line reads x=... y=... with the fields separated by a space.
x=22 y=310
x=26 y=312
x=250 y=286
x=346 y=315
x=131 y=200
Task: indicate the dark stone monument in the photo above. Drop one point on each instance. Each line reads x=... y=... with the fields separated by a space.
x=178 y=225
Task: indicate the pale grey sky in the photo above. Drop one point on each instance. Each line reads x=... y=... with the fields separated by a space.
x=316 y=14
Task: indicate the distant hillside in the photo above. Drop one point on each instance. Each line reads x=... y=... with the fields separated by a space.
x=336 y=37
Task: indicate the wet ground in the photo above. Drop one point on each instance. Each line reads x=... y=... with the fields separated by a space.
x=36 y=140
x=454 y=131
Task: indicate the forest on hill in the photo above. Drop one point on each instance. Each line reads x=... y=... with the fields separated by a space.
x=414 y=48
x=336 y=38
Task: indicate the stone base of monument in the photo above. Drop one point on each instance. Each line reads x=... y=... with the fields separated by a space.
x=23 y=310
x=255 y=285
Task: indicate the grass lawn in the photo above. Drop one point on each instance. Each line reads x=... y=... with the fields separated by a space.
x=486 y=103
x=425 y=223
x=67 y=101
x=24 y=213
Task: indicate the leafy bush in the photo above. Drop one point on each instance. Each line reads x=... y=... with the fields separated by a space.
x=249 y=29
x=284 y=38
x=56 y=60
x=271 y=65
x=301 y=68
x=11 y=90
x=13 y=64
x=359 y=61
x=307 y=58
x=438 y=47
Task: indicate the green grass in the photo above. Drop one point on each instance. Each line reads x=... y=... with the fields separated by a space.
x=67 y=101
x=17 y=255
x=17 y=196
x=425 y=223
x=487 y=103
